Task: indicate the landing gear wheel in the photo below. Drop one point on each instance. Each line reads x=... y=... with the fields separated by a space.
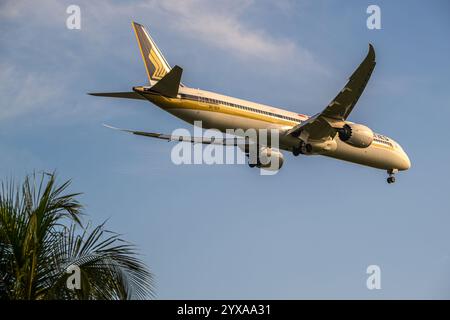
x=296 y=151
x=391 y=174
x=252 y=165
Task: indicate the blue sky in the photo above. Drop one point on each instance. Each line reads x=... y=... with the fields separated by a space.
x=225 y=231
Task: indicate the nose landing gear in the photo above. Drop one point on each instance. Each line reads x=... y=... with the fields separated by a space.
x=391 y=178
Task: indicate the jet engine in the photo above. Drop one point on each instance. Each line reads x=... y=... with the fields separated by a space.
x=356 y=135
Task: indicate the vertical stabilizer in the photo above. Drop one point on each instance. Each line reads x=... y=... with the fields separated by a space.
x=155 y=63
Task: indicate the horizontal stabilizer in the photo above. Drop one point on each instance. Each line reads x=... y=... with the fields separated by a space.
x=125 y=95
x=169 y=84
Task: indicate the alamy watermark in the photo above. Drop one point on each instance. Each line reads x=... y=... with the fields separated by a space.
x=73 y=21
x=260 y=146
x=73 y=281
x=374 y=280
x=374 y=20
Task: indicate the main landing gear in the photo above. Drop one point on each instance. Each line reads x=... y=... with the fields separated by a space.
x=301 y=148
x=391 y=178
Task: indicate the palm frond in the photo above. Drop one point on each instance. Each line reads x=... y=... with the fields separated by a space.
x=41 y=234
x=109 y=266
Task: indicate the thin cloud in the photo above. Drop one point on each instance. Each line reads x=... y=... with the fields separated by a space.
x=23 y=92
x=221 y=25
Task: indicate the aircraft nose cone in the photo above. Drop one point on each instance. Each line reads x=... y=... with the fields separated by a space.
x=405 y=162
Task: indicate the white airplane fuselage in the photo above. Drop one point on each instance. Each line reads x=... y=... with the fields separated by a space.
x=327 y=133
x=216 y=111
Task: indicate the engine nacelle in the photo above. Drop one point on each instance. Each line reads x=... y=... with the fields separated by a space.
x=270 y=159
x=317 y=147
x=356 y=135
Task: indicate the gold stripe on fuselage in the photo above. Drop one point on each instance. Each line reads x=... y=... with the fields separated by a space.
x=176 y=103
x=186 y=104
x=380 y=145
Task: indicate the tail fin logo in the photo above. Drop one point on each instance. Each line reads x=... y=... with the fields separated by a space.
x=155 y=64
x=159 y=71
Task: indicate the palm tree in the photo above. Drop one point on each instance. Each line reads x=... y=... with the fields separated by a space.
x=42 y=237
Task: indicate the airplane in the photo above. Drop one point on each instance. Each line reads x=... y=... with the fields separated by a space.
x=327 y=133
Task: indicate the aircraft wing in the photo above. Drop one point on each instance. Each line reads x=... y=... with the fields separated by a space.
x=239 y=142
x=323 y=125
